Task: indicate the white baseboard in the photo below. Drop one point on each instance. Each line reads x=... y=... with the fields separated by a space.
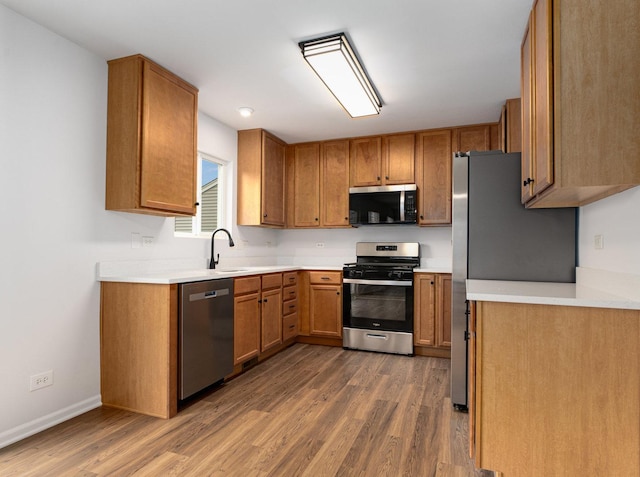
x=45 y=422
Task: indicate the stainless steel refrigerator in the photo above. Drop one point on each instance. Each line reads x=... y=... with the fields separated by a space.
x=496 y=238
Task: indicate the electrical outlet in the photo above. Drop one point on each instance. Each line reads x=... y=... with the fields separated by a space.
x=147 y=241
x=41 y=380
x=319 y=244
x=598 y=242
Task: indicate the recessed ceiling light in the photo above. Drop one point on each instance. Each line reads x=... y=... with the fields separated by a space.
x=245 y=112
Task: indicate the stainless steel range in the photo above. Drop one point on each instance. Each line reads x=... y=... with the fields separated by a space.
x=378 y=297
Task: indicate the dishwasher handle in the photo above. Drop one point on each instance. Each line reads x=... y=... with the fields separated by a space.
x=208 y=294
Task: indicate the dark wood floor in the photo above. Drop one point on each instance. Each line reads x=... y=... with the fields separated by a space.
x=308 y=411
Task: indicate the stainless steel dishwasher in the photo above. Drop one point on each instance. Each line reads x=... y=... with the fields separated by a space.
x=205 y=352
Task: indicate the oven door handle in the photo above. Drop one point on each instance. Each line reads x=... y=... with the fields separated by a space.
x=391 y=283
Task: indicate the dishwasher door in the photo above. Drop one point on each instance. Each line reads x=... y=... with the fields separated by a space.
x=206 y=334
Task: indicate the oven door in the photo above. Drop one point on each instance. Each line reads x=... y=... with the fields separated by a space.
x=378 y=304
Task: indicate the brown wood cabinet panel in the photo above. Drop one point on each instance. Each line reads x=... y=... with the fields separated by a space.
x=583 y=79
x=398 y=158
x=306 y=159
x=547 y=377
x=325 y=310
x=290 y=293
x=151 y=139
x=526 y=87
x=434 y=162
x=334 y=190
x=246 y=327
x=246 y=285
x=261 y=179
x=325 y=277
x=473 y=138
x=513 y=125
x=289 y=326
x=424 y=302
x=365 y=161
x=289 y=278
x=271 y=316
x=443 y=311
x=272 y=280
x=138 y=347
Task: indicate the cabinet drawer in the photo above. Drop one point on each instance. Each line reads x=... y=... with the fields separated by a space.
x=273 y=280
x=289 y=278
x=289 y=307
x=333 y=278
x=289 y=326
x=289 y=293
x=242 y=286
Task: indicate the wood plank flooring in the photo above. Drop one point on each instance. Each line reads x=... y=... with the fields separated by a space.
x=308 y=411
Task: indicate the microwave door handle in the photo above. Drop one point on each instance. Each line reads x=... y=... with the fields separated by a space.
x=402 y=206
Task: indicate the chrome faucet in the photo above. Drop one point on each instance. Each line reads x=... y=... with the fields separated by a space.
x=213 y=262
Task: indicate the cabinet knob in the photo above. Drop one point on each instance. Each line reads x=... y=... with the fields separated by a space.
x=265 y=300
x=259 y=301
x=422 y=216
x=378 y=177
x=337 y=293
x=316 y=219
x=527 y=182
x=265 y=216
x=197 y=204
x=386 y=177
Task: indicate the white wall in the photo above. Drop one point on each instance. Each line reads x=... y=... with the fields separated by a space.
x=617 y=219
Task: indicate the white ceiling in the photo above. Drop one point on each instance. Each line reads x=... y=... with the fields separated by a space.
x=434 y=62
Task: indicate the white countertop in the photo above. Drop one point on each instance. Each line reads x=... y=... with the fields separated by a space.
x=195 y=275
x=546 y=293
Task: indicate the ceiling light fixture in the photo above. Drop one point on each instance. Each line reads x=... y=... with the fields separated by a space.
x=245 y=112
x=335 y=62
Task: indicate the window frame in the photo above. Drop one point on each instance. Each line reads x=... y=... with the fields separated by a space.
x=196 y=220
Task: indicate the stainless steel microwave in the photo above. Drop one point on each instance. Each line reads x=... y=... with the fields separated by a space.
x=383 y=205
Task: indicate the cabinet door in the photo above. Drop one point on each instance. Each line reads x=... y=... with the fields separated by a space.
x=434 y=177
x=306 y=185
x=473 y=138
x=443 y=311
x=424 y=310
x=543 y=98
x=246 y=327
x=271 y=319
x=398 y=152
x=273 y=157
x=365 y=161
x=168 y=169
x=526 y=92
x=513 y=132
x=325 y=310
x=335 y=184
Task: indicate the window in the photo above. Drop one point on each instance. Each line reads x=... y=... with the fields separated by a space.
x=210 y=214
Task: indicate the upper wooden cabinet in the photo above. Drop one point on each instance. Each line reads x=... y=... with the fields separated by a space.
x=261 y=178
x=382 y=160
x=433 y=166
x=579 y=102
x=318 y=184
x=510 y=127
x=473 y=138
x=151 y=139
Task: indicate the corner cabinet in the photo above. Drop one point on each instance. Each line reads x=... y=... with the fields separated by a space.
x=151 y=139
x=261 y=179
x=579 y=102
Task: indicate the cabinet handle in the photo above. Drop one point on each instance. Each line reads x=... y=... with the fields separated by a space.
x=292 y=327
x=386 y=177
x=378 y=177
x=325 y=278
x=197 y=204
x=291 y=306
x=527 y=182
x=265 y=300
x=259 y=301
x=337 y=293
x=265 y=216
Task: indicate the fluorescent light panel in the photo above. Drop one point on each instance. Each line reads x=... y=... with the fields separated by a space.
x=335 y=62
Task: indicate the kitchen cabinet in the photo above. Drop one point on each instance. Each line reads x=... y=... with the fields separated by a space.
x=139 y=347
x=318 y=184
x=382 y=160
x=509 y=127
x=432 y=312
x=151 y=139
x=246 y=325
x=271 y=311
x=579 y=78
x=433 y=172
x=473 y=138
x=325 y=304
x=552 y=391
x=289 y=306
x=261 y=179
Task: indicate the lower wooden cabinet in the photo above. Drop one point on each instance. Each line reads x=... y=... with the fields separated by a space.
x=432 y=312
x=271 y=311
x=325 y=304
x=554 y=390
x=289 y=306
x=246 y=324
